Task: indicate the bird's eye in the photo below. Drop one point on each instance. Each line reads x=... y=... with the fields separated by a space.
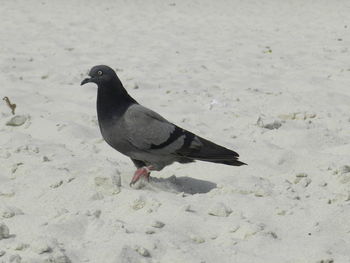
x=100 y=73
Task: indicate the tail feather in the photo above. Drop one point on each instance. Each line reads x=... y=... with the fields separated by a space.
x=231 y=161
x=211 y=152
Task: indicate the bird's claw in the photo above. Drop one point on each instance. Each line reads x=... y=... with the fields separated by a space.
x=141 y=172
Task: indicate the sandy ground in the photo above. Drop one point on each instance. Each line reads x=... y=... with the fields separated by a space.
x=269 y=79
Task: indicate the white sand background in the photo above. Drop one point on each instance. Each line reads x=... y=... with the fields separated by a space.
x=213 y=67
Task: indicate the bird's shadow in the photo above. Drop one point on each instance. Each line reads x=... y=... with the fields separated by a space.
x=183 y=184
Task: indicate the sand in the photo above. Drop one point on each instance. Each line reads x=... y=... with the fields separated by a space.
x=269 y=79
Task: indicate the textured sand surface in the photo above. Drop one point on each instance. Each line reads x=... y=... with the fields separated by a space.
x=269 y=79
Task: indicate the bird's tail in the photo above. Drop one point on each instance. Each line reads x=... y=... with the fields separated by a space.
x=211 y=152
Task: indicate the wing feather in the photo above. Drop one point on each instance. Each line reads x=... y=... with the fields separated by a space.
x=148 y=131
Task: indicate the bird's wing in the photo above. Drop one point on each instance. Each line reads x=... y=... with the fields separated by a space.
x=148 y=131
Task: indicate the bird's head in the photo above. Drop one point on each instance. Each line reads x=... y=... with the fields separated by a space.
x=100 y=75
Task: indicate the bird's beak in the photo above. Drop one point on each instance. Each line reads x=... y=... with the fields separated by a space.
x=87 y=80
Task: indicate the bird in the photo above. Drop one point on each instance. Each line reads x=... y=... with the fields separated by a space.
x=151 y=141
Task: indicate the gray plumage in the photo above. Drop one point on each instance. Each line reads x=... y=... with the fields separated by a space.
x=142 y=134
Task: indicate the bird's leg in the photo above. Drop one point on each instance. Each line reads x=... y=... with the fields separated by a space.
x=144 y=171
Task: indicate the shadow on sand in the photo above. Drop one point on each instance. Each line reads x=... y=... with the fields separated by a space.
x=184 y=184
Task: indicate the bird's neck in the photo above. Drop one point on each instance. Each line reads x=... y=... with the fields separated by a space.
x=112 y=101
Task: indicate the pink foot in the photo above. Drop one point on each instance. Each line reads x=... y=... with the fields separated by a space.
x=141 y=172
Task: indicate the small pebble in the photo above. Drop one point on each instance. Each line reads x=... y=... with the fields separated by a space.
x=187 y=208
x=17 y=120
x=197 y=239
x=273 y=234
x=57 y=184
x=306 y=182
x=259 y=193
x=331 y=260
x=246 y=231
x=21 y=246
x=2 y=252
x=99 y=181
x=7 y=192
x=70 y=179
x=219 y=209
x=214 y=236
x=15 y=167
x=270 y=125
x=158 y=224
x=150 y=232
x=281 y=212
x=41 y=247
x=297 y=116
x=142 y=251
x=138 y=204
x=301 y=175
x=58 y=258
x=347 y=197
x=345 y=178
x=108 y=186
x=7 y=213
x=233 y=229
x=4 y=231
x=345 y=169
x=97 y=213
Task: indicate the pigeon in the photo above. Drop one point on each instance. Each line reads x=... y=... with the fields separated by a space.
x=151 y=141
